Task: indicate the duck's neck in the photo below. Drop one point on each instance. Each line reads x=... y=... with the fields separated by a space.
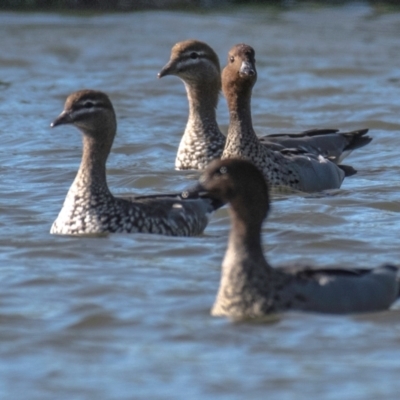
x=244 y=269
x=203 y=101
x=240 y=131
x=244 y=246
x=91 y=176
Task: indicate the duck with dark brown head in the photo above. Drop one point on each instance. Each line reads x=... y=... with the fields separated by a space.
x=251 y=288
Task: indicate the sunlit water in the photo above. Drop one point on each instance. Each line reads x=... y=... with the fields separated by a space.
x=127 y=316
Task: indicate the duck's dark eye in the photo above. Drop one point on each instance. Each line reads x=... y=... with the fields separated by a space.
x=231 y=59
x=88 y=104
x=223 y=170
x=194 y=55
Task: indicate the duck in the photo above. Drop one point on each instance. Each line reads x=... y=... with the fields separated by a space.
x=90 y=208
x=198 y=66
x=251 y=288
x=295 y=169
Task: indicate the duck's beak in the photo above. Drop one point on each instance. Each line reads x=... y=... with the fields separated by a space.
x=199 y=192
x=194 y=191
x=168 y=69
x=62 y=119
x=247 y=69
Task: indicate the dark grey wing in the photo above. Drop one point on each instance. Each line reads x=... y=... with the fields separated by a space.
x=192 y=193
x=343 y=290
x=330 y=143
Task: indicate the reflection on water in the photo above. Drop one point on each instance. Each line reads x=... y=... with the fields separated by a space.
x=127 y=316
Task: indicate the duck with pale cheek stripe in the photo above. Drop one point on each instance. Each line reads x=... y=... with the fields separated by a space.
x=251 y=288
x=197 y=64
x=90 y=208
x=293 y=169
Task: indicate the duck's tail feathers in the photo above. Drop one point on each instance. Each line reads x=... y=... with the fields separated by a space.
x=348 y=170
x=357 y=139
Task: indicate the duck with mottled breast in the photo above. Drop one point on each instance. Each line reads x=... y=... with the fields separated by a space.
x=90 y=207
x=293 y=169
x=251 y=288
x=197 y=65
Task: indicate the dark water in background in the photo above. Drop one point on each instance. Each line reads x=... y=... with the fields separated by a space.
x=127 y=316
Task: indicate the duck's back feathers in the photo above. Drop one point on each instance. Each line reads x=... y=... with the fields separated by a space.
x=342 y=290
x=330 y=143
x=171 y=215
